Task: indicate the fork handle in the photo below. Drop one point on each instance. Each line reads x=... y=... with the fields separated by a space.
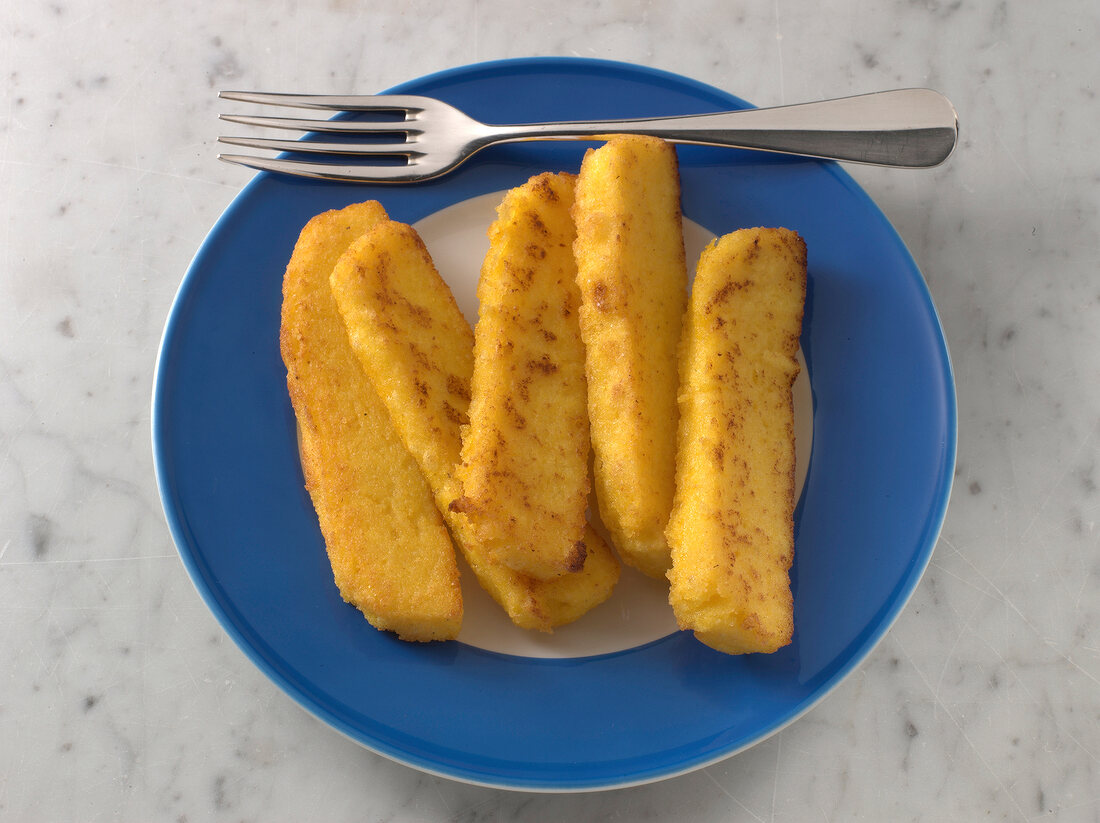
x=913 y=128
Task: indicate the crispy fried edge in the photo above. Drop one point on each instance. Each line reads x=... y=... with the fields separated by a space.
x=300 y=298
x=529 y=603
x=750 y=636
x=497 y=483
x=641 y=543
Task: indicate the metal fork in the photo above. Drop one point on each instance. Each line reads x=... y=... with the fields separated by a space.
x=913 y=128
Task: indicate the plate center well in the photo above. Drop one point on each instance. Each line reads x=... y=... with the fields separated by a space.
x=637 y=611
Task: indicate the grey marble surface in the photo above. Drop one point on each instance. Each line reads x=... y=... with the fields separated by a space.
x=121 y=697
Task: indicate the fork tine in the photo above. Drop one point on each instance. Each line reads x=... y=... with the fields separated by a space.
x=353 y=102
x=327 y=171
x=310 y=147
x=330 y=126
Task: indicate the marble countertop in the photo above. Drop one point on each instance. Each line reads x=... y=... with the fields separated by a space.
x=122 y=698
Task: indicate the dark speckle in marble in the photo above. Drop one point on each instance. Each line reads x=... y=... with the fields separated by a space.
x=941 y=10
x=41 y=529
x=867 y=57
x=98 y=82
x=910 y=729
x=221 y=802
x=1007 y=336
x=1086 y=476
x=225 y=67
x=933 y=587
x=89 y=702
x=65 y=328
x=975 y=487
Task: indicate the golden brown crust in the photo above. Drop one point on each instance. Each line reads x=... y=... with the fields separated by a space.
x=633 y=282
x=732 y=528
x=390 y=552
x=412 y=340
x=386 y=353
x=524 y=470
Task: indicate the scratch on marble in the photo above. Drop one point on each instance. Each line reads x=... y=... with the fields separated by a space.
x=779 y=48
x=723 y=790
x=1054 y=487
x=477 y=30
x=198 y=688
x=435 y=787
x=935 y=697
x=157 y=173
x=106 y=584
x=471 y=812
x=1050 y=645
x=1015 y=161
x=958 y=637
x=1005 y=598
x=938 y=701
x=944 y=570
x=72 y=561
x=962 y=732
x=1085 y=578
x=1092 y=801
x=1080 y=745
x=775 y=780
x=1019 y=680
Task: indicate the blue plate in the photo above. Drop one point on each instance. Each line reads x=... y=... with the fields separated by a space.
x=879 y=476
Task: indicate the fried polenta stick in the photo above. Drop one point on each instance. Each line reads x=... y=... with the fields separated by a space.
x=417 y=347
x=524 y=471
x=732 y=527
x=389 y=549
x=633 y=281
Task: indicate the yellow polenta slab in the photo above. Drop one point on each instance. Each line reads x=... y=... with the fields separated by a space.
x=732 y=527
x=524 y=471
x=418 y=349
x=633 y=282
x=390 y=552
